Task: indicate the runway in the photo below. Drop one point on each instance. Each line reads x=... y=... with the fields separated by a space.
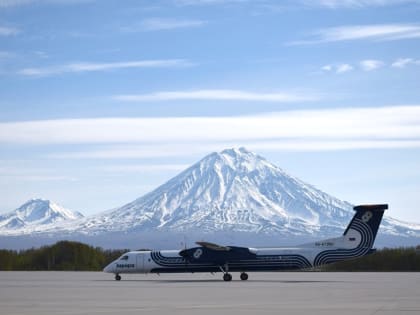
x=264 y=293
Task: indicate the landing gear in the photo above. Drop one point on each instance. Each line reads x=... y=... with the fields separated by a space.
x=117 y=277
x=227 y=277
x=244 y=276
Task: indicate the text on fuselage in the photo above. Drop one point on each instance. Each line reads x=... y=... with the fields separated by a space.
x=125 y=265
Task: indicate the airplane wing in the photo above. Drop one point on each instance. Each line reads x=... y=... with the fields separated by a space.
x=213 y=246
x=215 y=254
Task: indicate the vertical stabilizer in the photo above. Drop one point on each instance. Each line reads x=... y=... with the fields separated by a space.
x=359 y=236
x=367 y=220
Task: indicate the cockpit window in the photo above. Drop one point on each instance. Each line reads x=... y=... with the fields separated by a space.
x=124 y=258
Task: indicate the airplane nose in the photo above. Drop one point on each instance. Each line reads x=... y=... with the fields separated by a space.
x=110 y=268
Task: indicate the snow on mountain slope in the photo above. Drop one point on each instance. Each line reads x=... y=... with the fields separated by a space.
x=234 y=190
x=36 y=213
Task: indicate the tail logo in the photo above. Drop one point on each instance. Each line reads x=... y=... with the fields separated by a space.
x=367 y=216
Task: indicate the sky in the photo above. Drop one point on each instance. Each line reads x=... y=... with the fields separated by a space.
x=103 y=101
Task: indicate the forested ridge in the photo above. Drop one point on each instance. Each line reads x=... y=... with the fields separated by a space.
x=64 y=255
x=387 y=259
x=75 y=256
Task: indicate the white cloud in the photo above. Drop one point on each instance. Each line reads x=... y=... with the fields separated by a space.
x=90 y=67
x=215 y=95
x=380 y=32
x=336 y=4
x=403 y=62
x=367 y=65
x=340 y=68
x=20 y=173
x=322 y=129
x=371 y=64
x=157 y=24
x=8 y=31
x=337 y=68
x=140 y=151
x=208 y=2
x=201 y=148
x=146 y=168
x=327 y=68
x=343 y=68
x=40 y=178
x=330 y=145
x=18 y=3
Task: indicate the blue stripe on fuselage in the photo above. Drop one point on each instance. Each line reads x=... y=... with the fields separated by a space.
x=259 y=263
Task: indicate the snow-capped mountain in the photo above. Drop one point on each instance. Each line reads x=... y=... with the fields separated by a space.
x=234 y=192
x=36 y=213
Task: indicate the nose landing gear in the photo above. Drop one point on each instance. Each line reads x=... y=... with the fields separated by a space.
x=117 y=277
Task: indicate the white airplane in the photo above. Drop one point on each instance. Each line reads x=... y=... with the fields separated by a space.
x=357 y=240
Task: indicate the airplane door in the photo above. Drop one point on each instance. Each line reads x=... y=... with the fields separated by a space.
x=140 y=262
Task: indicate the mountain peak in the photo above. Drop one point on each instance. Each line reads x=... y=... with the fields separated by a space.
x=240 y=160
x=45 y=210
x=37 y=211
x=40 y=202
x=237 y=152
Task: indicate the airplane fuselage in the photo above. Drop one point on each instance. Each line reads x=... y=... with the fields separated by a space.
x=169 y=261
x=357 y=240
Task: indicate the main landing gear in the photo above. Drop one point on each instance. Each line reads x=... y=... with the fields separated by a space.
x=244 y=276
x=117 y=277
x=228 y=277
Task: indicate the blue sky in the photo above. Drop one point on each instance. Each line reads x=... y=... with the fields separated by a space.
x=102 y=101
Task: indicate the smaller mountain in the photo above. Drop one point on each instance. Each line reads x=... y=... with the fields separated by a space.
x=37 y=212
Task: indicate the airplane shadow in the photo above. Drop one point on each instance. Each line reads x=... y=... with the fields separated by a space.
x=221 y=280
x=248 y=281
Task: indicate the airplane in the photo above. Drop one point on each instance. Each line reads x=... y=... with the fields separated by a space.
x=356 y=241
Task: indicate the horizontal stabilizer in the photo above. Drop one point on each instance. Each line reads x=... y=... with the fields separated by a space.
x=377 y=207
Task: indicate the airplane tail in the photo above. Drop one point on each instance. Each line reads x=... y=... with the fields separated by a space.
x=359 y=236
x=367 y=220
